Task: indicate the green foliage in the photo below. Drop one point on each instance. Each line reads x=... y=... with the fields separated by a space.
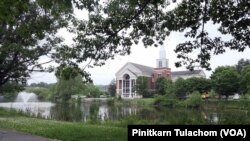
x=198 y=84
x=70 y=82
x=9 y=96
x=67 y=111
x=66 y=131
x=164 y=86
x=43 y=94
x=194 y=100
x=112 y=88
x=67 y=72
x=93 y=111
x=142 y=86
x=67 y=86
x=147 y=94
x=10 y=90
x=90 y=90
x=241 y=64
x=212 y=94
x=28 y=31
x=245 y=79
x=192 y=17
x=225 y=81
x=11 y=113
x=111 y=102
x=169 y=100
x=40 y=84
x=180 y=88
x=245 y=97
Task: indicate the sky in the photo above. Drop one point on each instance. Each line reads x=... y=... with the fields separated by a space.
x=145 y=56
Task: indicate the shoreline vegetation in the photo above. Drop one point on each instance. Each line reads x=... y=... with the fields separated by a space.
x=93 y=131
x=61 y=130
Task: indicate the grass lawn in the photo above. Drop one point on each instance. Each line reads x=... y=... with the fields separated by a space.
x=66 y=131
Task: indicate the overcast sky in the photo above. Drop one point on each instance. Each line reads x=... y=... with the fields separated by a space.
x=146 y=56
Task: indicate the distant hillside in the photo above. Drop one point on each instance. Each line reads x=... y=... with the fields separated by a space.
x=103 y=88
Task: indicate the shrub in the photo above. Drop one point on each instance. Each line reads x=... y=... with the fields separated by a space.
x=111 y=102
x=194 y=100
x=212 y=94
x=245 y=97
x=166 y=100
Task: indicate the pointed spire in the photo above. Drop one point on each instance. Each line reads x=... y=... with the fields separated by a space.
x=162 y=62
x=162 y=52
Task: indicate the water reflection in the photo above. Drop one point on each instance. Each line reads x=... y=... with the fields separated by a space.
x=37 y=109
x=98 y=111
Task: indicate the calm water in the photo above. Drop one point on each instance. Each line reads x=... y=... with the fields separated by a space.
x=99 y=111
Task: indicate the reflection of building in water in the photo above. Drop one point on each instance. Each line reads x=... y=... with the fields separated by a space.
x=214 y=117
x=211 y=117
x=127 y=111
x=103 y=112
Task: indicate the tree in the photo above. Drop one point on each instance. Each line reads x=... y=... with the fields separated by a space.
x=112 y=88
x=124 y=23
x=69 y=82
x=198 y=84
x=163 y=86
x=142 y=86
x=193 y=15
x=181 y=88
x=225 y=80
x=40 y=84
x=91 y=90
x=245 y=79
x=241 y=63
x=28 y=31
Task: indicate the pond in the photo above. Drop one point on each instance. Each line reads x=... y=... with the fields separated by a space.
x=130 y=113
x=101 y=111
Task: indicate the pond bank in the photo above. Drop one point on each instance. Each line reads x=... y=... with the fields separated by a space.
x=61 y=130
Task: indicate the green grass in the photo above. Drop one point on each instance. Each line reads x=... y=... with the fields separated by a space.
x=11 y=113
x=65 y=131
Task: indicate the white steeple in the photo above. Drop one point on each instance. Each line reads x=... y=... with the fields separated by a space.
x=162 y=62
x=162 y=53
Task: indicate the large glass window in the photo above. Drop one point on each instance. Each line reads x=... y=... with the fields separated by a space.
x=126 y=84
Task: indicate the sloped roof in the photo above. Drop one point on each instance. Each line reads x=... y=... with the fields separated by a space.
x=145 y=69
x=178 y=73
